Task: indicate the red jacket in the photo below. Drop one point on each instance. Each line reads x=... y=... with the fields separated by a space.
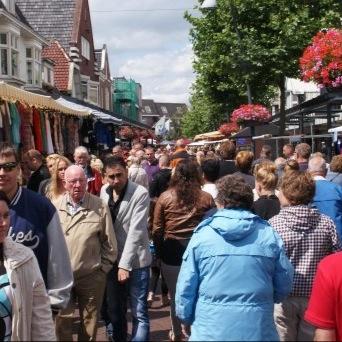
x=95 y=182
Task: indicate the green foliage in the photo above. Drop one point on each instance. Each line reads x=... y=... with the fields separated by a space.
x=254 y=41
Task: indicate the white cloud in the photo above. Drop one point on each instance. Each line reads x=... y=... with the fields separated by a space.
x=151 y=47
x=162 y=75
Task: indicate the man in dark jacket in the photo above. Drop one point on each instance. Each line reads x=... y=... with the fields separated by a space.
x=227 y=164
x=34 y=162
x=161 y=178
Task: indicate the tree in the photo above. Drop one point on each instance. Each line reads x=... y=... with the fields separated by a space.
x=255 y=42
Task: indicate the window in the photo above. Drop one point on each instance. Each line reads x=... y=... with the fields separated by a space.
x=29 y=72
x=84 y=90
x=93 y=93
x=4 y=51
x=33 y=66
x=107 y=96
x=148 y=109
x=164 y=109
x=85 y=48
x=14 y=55
x=9 y=54
x=179 y=110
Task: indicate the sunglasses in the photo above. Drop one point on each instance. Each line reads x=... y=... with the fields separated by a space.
x=8 y=167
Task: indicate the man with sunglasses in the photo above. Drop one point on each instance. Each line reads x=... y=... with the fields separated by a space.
x=129 y=206
x=35 y=224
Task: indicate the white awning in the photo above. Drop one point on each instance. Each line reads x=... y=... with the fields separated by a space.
x=99 y=115
x=11 y=93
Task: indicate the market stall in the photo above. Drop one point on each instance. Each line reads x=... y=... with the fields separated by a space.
x=33 y=121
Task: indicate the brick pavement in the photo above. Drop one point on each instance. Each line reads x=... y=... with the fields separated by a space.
x=159 y=323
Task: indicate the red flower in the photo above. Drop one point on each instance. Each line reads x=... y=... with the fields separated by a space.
x=229 y=128
x=126 y=132
x=322 y=60
x=251 y=112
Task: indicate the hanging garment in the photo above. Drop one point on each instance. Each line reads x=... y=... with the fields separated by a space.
x=2 y=131
x=15 y=124
x=38 y=140
x=43 y=128
x=60 y=135
x=76 y=131
x=26 y=132
x=6 y=123
x=49 y=144
x=69 y=123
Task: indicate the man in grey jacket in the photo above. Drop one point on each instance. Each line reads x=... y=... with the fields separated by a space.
x=129 y=206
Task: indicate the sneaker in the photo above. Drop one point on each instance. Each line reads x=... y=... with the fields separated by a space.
x=150 y=299
x=109 y=332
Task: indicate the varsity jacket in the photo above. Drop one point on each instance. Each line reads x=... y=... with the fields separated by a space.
x=35 y=224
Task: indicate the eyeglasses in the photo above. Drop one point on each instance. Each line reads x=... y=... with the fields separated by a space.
x=8 y=167
x=74 y=181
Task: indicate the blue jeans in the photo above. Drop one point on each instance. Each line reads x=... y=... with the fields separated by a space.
x=115 y=306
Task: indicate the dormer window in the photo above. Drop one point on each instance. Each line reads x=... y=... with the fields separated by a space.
x=33 y=66
x=85 y=48
x=9 y=54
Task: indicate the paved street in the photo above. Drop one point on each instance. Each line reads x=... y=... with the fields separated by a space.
x=159 y=319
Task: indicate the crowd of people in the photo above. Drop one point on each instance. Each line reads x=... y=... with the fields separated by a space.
x=245 y=247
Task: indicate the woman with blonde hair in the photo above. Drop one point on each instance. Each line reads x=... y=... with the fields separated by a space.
x=266 y=180
x=50 y=163
x=56 y=188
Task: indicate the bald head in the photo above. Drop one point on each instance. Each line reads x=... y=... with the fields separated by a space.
x=180 y=143
x=75 y=182
x=317 y=166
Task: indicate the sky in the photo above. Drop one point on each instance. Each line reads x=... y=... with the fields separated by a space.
x=147 y=44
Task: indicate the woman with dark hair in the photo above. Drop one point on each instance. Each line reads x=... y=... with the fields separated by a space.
x=233 y=271
x=25 y=313
x=177 y=212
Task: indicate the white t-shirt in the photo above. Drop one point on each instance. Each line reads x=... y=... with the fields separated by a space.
x=211 y=189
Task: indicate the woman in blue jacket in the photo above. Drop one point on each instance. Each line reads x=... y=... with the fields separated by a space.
x=234 y=270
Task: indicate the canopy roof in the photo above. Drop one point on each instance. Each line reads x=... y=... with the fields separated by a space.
x=101 y=116
x=215 y=135
x=11 y=93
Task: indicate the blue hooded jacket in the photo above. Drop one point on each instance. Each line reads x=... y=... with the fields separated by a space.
x=233 y=271
x=328 y=201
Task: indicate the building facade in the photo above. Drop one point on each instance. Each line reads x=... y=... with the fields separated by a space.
x=20 y=49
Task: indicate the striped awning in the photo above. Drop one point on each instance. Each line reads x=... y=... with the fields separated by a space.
x=99 y=115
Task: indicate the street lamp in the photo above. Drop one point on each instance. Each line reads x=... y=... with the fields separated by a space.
x=211 y=4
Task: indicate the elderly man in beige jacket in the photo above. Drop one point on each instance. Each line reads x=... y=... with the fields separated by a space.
x=89 y=234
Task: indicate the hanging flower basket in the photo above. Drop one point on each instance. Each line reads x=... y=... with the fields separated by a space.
x=145 y=134
x=322 y=60
x=126 y=132
x=251 y=114
x=229 y=128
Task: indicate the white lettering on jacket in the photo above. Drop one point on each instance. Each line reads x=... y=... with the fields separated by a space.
x=32 y=240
